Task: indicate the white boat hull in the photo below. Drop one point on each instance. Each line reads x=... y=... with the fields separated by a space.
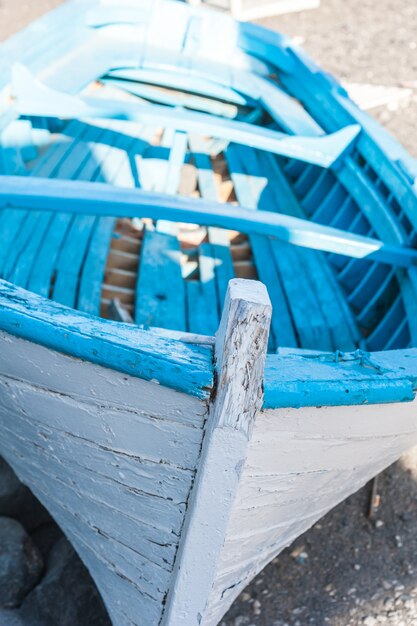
x=175 y=503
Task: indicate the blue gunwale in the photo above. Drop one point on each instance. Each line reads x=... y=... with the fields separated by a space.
x=291 y=379
x=297 y=378
x=150 y=354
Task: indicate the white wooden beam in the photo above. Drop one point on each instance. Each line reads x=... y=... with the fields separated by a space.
x=240 y=349
x=260 y=9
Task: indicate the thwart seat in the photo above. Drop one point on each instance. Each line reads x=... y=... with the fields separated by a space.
x=175 y=275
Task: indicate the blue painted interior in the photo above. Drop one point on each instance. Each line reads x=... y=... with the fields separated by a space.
x=217 y=111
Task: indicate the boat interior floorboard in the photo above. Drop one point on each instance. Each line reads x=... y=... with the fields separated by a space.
x=175 y=275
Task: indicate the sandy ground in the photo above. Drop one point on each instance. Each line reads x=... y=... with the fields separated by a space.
x=346 y=570
x=15 y=14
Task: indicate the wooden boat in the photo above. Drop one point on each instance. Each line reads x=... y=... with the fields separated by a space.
x=163 y=170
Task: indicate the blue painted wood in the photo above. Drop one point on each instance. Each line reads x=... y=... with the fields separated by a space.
x=45 y=39
x=384 y=224
x=339 y=319
x=105 y=163
x=202 y=302
x=195 y=103
x=36 y=267
x=182 y=81
x=372 y=310
x=388 y=326
x=160 y=292
x=34 y=98
x=160 y=289
x=142 y=353
x=101 y=199
x=324 y=94
x=92 y=274
x=24 y=229
x=219 y=248
x=335 y=379
x=282 y=325
x=101 y=16
x=266 y=45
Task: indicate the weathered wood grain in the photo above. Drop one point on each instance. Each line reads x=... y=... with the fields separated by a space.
x=325 y=452
x=81 y=437
x=241 y=345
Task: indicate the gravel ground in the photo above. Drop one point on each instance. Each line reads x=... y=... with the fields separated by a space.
x=346 y=570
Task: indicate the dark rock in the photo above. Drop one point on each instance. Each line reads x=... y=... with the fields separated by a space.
x=12 y=618
x=18 y=501
x=9 y=488
x=66 y=595
x=20 y=563
x=46 y=537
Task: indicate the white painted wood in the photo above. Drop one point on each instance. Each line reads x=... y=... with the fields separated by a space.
x=112 y=457
x=114 y=460
x=240 y=350
x=369 y=97
x=300 y=464
x=257 y=9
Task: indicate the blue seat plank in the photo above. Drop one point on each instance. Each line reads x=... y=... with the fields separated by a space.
x=100 y=199
x=160 y=292
x=160 y=289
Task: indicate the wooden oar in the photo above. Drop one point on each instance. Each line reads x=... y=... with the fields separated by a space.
x=33 y=98
x=42 y=194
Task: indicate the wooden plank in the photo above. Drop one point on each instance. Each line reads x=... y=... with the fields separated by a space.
x=92 y=273
x=34 y=99
x=339 y=319
x=173 y=99
x=160 y=290
x=108 y=156
x=282 y=328
x=179 y=80
x=120 y=347
x=354 y=378
x=112 y=506
x=24 y=230
x=241 y=346
x=101 y=199
x=202 y=300
x=219 y=247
